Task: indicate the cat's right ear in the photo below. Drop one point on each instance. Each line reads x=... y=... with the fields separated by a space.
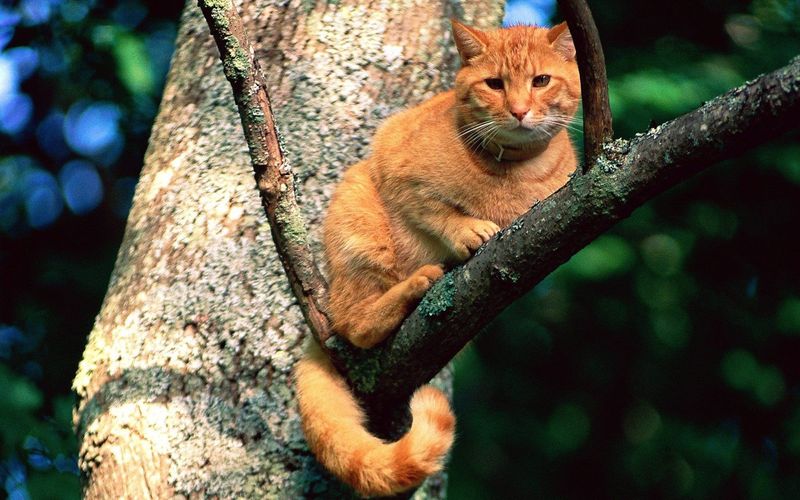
x=470 y=42
x=561 y=40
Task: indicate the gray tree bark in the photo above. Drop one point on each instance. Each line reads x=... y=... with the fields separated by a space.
x=184 y=388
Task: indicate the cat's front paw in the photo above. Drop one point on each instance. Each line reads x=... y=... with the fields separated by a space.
x=423 y=278
x=471 y=235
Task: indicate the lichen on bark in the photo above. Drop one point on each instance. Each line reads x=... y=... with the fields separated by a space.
x=439 y=298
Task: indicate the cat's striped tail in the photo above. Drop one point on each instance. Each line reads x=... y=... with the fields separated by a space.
x=334 y=426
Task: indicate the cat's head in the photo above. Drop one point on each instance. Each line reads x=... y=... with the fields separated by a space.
x=517 y=85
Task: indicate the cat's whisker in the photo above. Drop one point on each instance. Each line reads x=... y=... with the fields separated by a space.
x=476 y=127
x=564 y=122
x=560 y=118
x=480 y=123
x=568 y=126
x=489 y=136
x=482 y=127
x=466 y=132
x=475 y=136
x=573 y=128
x=479 y=141
x=472 y=140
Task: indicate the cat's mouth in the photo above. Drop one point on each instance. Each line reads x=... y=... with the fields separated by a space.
x=521 y=133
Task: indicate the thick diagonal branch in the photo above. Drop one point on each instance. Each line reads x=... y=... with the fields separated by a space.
x=625 y=175
x=594 y=82
x=273 y=174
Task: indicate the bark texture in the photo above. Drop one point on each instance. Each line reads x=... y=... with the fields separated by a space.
x=273 y=173
x=597 y=127
x=184 y=389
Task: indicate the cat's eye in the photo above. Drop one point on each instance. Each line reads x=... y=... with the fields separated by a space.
x=494 y=83
x=541 y=80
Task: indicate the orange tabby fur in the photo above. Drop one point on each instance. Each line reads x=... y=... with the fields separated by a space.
x=443 y=178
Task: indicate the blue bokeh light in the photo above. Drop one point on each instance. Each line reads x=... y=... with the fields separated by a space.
x=73 y=11
x=15 y=480
x=6 y=34
x=15 y=113
x=129 y=14
x=37 y=453
x=16 y=109
x=65 y=464
x=8 y=20
x=43 y=202
x=92 y=128
x=9 y=337
x=159 y=48
x=32 y=443
x=111 y=154
x=529 y=12
x=19 y=492
x=53 y=58
x=36 y=12
x=25 y=60
x=9 y=80
x=39 y=461
x=81 y=185
x=50 y=136
x=8 y=17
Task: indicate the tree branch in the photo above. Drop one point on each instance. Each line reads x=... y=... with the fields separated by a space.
x=626 y=174
x=594 y=83
x=273 y=173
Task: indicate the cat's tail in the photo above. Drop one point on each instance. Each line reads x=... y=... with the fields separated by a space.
x=334 y=426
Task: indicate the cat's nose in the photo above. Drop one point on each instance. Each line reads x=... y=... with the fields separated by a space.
x=519 y=114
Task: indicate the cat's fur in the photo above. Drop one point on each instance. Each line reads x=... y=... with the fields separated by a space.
x=442 y=179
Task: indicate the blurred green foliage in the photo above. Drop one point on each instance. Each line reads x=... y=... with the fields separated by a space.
x=80 y=81
x=661 y=361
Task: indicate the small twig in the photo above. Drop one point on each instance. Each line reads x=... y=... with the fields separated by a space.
x=273 y=174
x=594 y=82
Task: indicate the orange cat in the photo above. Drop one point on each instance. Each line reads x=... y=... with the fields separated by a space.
x=442 y=179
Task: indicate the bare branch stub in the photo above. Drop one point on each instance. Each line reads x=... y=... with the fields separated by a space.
x=273 y=174
x=597 y=127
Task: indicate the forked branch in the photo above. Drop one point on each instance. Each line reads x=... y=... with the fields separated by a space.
x=273 y=173
x=594 y=82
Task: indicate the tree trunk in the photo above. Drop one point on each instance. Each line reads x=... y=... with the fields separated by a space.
x=185 y=384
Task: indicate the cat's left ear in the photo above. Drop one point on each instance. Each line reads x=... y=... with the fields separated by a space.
x=561 y=41
x=470 y=42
